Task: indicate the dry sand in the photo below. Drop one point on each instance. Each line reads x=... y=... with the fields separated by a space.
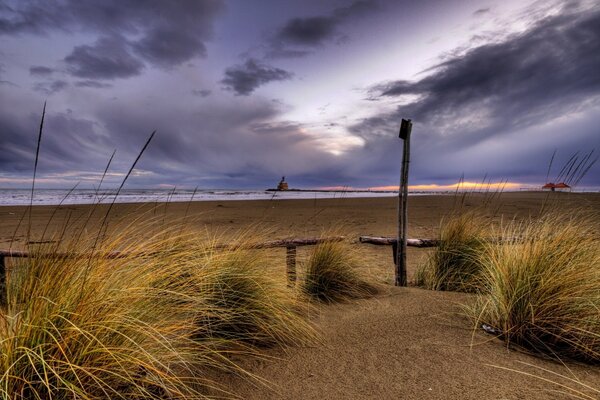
x=406 y=343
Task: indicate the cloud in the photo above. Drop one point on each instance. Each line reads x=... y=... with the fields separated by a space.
x=201 y=92
x=49 y=88
x=92 y=84
x=481 y=11
x=486 y=106
x=108 y=58
x=193 y=146
x=169 y=47
x=165 y=34
x=496 y=87
x=300 y=36
x=307 y=31
x=40 y=70
x=244 y=79
x=68 y=143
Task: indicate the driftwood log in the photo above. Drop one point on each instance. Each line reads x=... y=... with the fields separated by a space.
x=390 y=241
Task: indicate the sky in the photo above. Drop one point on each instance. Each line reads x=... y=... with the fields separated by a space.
x=243 y=92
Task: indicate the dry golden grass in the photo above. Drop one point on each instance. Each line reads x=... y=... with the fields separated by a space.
x=151 y=323
x=454 y=264
x=541 y=286
x=332 y=273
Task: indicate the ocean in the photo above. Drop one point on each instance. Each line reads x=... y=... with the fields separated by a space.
x=13 y=197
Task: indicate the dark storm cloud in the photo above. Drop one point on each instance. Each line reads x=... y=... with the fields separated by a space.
x=160 y=32
x=245 y=78
x=307 y=31
x=299 y=36
x=492 y=91
x=108 y=58
x=40 y=70
x=542 y=73
x=68 y=143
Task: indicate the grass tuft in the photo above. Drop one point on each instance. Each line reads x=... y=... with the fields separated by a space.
x=542 y=290
x=250 y=304
x=332 y=274
x=454 y=264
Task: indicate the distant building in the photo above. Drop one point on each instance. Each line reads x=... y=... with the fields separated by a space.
x=556 y=186
x=282 y=185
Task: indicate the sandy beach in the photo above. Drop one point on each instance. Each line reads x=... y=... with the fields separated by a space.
x=405 y=343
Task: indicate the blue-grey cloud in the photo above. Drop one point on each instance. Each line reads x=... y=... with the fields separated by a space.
x=93 y=84
x=481 y=11
x=108 y=58
x=69 y=143
x=308 y=31
x=169 y=46
x=52 y=87
x=299 y=36
x=245 y=78
x=165 y=34
x=201 y=92
x=40 y=70
x=508 y=84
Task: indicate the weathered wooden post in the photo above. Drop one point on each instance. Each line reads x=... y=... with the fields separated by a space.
x=3 y=294
x=400 y=273
x=290 y=260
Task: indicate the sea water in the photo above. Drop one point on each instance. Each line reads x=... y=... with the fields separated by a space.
x=14 y=197
x=89 y=196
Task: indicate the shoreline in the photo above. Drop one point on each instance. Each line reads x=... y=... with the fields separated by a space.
x=88 y=197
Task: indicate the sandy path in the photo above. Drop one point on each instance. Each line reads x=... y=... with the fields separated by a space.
x=408 y=344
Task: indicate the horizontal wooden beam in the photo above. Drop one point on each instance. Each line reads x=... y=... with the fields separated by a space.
x=295 y=242
x=389 y=241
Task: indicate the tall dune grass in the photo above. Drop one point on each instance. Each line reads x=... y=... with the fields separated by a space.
x=95 y=327
x=249 y=304
x=454 y=264
x=332 y=274
x=542 y=290
x=148 y=324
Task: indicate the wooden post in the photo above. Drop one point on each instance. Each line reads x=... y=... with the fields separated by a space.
x=3 y=294
x=290 y=260
x=400 y=273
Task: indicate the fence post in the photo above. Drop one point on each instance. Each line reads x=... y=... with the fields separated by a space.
x=400 y=273
x=290 y=260
x=3 y=294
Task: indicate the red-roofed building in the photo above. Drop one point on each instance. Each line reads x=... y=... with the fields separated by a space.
x=554 y=186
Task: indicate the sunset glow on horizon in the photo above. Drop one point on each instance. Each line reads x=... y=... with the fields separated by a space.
x=492 y=186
